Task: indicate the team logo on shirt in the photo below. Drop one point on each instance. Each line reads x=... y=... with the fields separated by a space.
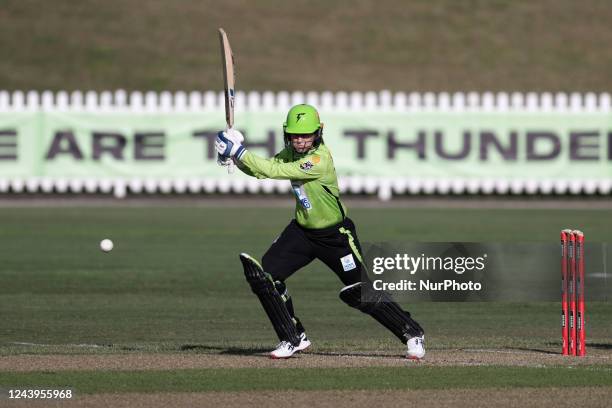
x=307 y=165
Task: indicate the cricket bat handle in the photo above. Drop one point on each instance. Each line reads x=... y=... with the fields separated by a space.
x=230 y=166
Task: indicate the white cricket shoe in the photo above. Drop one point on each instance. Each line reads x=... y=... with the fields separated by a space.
x=416 y=348
x=304 y=343
x=284 y=350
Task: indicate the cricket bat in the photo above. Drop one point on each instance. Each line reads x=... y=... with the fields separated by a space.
x=227 y=58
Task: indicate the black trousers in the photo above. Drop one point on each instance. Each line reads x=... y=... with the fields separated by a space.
x=337 y=246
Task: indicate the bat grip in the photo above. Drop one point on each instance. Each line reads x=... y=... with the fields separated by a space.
x=231 y=165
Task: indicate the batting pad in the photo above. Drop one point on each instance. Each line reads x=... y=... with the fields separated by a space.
x=263 y=287
x=382 y=308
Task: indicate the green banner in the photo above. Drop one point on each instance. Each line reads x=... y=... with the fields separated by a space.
x=432 y=145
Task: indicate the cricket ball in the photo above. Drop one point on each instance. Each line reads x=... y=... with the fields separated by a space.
x=106 y=245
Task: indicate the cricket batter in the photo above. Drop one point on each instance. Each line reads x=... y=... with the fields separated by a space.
x=321 y=229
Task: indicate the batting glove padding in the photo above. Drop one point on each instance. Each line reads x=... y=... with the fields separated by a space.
x=234 y=135
x=227 y=147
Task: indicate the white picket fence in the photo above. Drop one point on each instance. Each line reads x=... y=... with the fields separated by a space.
x=384 y=187
x=326 y=101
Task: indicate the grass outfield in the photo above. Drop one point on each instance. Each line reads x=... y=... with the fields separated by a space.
x=174 y=278
x=371 y=378
x=438 y=45
x=173 y=284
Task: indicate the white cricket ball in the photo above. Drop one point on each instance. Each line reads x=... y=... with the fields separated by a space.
x=106 y=245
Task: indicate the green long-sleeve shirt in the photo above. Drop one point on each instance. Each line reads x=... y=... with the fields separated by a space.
x=313 y=181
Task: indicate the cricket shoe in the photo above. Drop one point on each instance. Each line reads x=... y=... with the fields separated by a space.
x=304 y=343
x=284 y=350
x=416 y=348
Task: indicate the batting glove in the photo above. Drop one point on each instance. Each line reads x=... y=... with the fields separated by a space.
x=234 y=135
x=229 y=146
x=223 y=161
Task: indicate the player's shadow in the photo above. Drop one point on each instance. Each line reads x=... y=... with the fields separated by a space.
x=239 y=351
x=252 y=351
x=532 y=349
x=599 y=346
x=358 y=354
